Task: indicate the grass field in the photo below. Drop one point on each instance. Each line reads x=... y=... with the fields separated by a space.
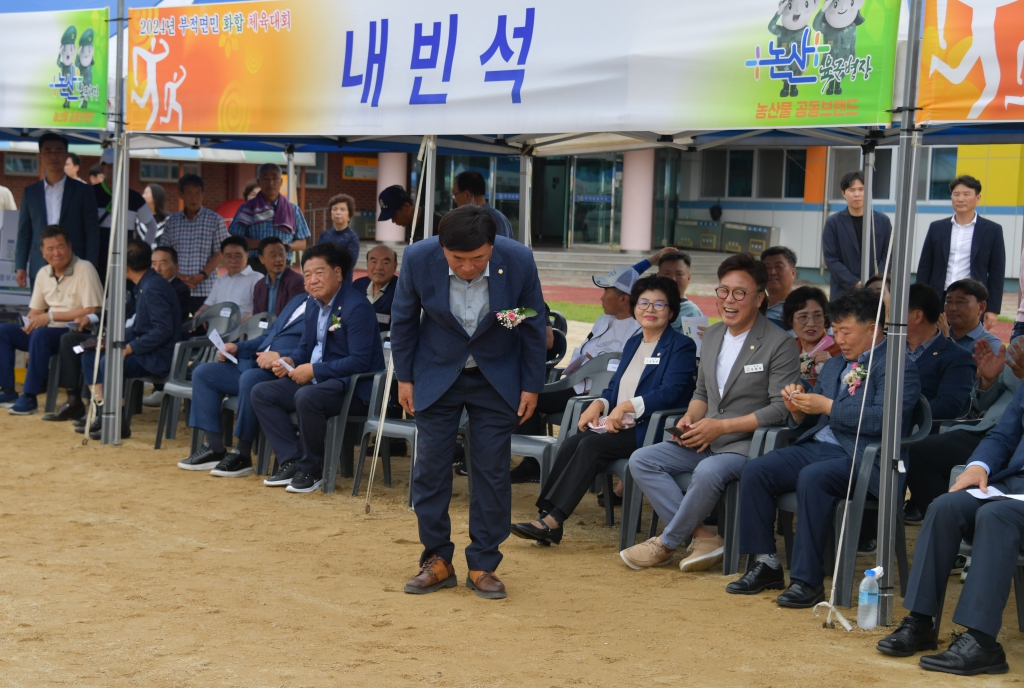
x=588 y=313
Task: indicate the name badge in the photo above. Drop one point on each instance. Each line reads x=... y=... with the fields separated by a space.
x=383 y=318
x=652 y=361
x=225 y=312
x=756 y=368
x=613 y=365
x=263 y=324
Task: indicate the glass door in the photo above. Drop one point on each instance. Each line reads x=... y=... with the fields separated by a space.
x=596 y=200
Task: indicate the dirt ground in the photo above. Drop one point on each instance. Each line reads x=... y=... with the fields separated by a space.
x=118 y=569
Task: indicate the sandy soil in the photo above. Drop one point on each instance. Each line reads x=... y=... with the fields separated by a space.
x=118 y=569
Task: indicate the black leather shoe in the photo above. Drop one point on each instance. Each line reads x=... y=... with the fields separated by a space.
x=126 y=431
x=67 y=412
x=965 y=657
x=80 y=422
x=528 y=471
x=913 y=636
x=761 y=577
x=97 y=425
x=528 y=531
x=616 y=500
x=800 y=595
x=911 y=514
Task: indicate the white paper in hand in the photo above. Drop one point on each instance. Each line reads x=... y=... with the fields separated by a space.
x=690 y=326
x=219 y=343
x=993 y=493
x=284 y=364
x=24 y=321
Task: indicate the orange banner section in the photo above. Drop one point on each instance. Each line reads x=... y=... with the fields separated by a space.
x=972 y=57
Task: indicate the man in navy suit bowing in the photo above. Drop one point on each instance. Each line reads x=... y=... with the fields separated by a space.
x=211 y=381
x=458 y=356
x=965 y=246
x=340 y=339
x=56 y=199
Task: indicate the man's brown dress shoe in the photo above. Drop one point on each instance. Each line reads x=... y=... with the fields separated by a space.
x=435 y=573
x=486 y=585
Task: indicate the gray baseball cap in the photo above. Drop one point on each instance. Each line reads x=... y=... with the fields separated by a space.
x=622 y=278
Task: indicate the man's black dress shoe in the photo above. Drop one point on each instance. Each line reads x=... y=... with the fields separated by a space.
x=761 y=577
x=800 y=595
x=96 y=426
x=616 y=500
x=913 y=636
x=912 y=514
x=67 y=412
x=528 y=471
x=80 y=422
x=966 y=657
x=528 y=531
x=126 y=431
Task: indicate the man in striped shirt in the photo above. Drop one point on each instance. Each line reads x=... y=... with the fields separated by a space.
x=270 y=213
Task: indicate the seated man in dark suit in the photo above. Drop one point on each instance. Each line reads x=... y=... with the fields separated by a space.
x=340 y=339
x=946 y=370
x=212 y=381
x=380 y=282
x=996 y=530
x=165 y=262
x=817 y=466
x=151 y=338
x=281 y=285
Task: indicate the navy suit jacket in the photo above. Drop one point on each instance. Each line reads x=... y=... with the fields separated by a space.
x=947 y=378
x=988 y=258
x=431 y=350
x=841 y=247
x=289 y=285
x=354 y=347
x=846 y=408
x=383 y=305
x=281 y=339
x=78 y=217
x=668 y=384
x=157 y=326
x=184 y=296
x=1001 y=450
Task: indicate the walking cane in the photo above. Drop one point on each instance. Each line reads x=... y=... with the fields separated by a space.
x=380 y=430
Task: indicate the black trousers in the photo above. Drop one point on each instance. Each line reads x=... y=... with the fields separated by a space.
x=578 y=462
x=995 y=529
x=70 y=362
x=931 y=462
x=491 y=422
x=313 y=404
x=551 y=402
x=195 y=303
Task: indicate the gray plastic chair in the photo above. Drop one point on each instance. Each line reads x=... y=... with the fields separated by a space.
x=846 y=549
x=596 y=369
x=52 y=384
x=226 y=325
x=178 y=387
x=559 y=323
x=254 y=326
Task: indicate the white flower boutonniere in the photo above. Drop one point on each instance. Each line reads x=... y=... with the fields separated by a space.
x=513 y=317
x=335 y=323
x=853 y=378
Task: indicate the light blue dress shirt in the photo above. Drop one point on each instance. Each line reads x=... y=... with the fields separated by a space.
x=323 y=320
x=272 y=295
x=916 y=353
x=469 y=302
x=969 y=339
x=825 y=434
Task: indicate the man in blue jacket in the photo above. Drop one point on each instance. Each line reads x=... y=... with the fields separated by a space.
x=963 y=246
x=817 y=466
x=456 y=356
x=340 y=339
x=996 y=531
x=56 y=199
x=843 y=237
x=153 y=334
x=211 y=381
x=946 y=370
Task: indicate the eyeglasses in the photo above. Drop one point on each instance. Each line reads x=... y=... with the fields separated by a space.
x=644 y=304
x=804 y=319
x=738 y=294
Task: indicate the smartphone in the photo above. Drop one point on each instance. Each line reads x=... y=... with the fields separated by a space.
x=675 y=432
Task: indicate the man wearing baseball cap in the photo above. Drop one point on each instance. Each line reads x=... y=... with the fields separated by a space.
x=609 y=333
x=397 y=205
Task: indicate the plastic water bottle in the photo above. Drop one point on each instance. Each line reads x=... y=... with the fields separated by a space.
x=867 y=601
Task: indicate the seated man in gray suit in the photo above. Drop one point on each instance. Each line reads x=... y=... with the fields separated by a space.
x=746 y=362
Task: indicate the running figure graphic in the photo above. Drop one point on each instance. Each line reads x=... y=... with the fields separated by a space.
x=150 y=94
x=171 y=98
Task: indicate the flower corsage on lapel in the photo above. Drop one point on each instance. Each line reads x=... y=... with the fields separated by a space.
x=513 y=317
x=853 y=378
x=335 y=323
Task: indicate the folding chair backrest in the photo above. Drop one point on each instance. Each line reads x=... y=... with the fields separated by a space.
x=921 y=421
x=559 y=323
x=557 y=351
x=255 y=326
x=597 y=369
x=376 y=396
x=224 y=317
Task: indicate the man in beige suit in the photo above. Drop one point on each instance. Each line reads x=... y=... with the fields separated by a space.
x=745 y=364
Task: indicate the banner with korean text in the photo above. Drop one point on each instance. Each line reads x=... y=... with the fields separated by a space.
x=510 y=66
x=972 y=61
x=53 y=69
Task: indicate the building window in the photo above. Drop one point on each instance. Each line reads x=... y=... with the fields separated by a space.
x=316 y=175
x=770 y=177
x=21 y=165
x=714 y=167
x=942 y=171
x=796 y=172
x=882 y=184
x=773 y=172
x=165 y=172
x=741 y=173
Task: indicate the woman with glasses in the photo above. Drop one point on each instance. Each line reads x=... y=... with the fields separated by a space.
x=805 y=311
x=656 y=372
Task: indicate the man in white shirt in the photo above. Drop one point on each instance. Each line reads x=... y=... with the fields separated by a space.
x=965 y=246
x=236 y=286
x=609 y=333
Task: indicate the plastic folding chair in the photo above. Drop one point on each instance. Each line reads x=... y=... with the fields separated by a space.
x=559 y=323
x=52 y=384
x=557 y=352
x=224 y=317
x=178 y=387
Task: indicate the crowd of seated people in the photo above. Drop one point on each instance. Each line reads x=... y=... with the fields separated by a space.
x=776 y=356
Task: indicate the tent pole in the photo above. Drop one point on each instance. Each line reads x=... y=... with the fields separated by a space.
x=113 y=378
x=525 y=197
x=890 y=498
x=290 y=157
x=429 y=179
x=867 y=258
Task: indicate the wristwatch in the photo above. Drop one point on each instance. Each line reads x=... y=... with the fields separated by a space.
x=204 y=274
x=50 y=313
